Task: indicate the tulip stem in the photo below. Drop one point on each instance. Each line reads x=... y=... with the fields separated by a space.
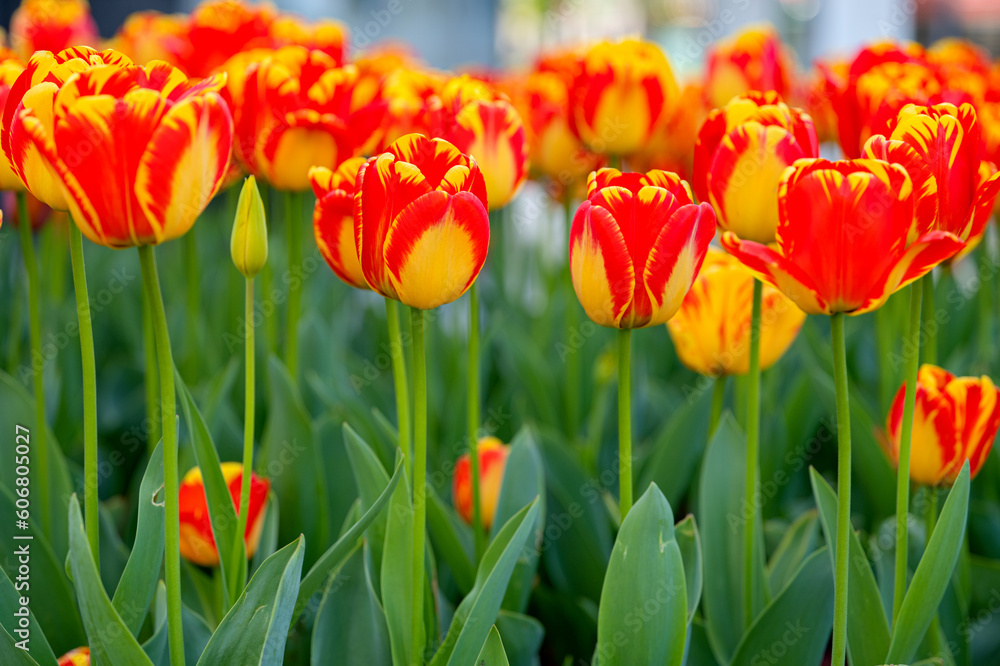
x=912 y=349
x=292 y=211
x=624 y=421
x=168 y=411
x=473 y=414
x=718 y=397
x=91 y=484
x=149 y=344
x=37 y=364
x=930 y=326
x=192 y=347
x=248 y=421
x=419 y=478
x=753 y=456
x=572 y=323
x=843 y=491
x=399 y=380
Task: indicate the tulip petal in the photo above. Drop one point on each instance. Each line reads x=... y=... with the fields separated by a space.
x=977 y=417
x=436 y=248
x=919 y=259
x=600 y=265
x=925 y=185
x=935 y=451
x=771 y=267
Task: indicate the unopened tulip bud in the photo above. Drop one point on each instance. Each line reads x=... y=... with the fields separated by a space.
x=492 y=461
x=249 y=242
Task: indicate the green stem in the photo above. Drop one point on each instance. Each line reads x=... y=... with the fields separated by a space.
x=248 y=420
x=930 y=520
x=718 y=397
x=292 y=211
x=37 y=361
x=473 y=421
x=624 y=421
x=192 y=347
x=399 y=380
x=573 y=360
x=14 y=338
x=753 y=456
x=884 y=331
x=930 y=347
x=91 y=496
x=419 y=478
x=912 y=349
x=843 y=491
x=168 y=411
x=149 y=344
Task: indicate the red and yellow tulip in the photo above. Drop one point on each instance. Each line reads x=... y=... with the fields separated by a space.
x=197 y=541
x=636 y=245
x=149 y=35
x=219 y=29
x=492 y=462
x=76 y=657
x=421 y=221
x=333 y=219
x=157 y=147
x=752 y=60
x=955 y=419
x=741 y=153
x=412 y=102
x=52 y=25
x=10 y=68
x=622 y=93
x=845 y=239
x=326 y=35
x=671 y=148
x=711 y=331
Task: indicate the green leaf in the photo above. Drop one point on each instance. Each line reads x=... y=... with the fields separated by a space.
x=678 y=448
x=221 y=511
x=523 y=481
x=933 y=574
x=478 y=610
x=452 y=538
x=10 y=609
x=689 y=542
x=724 y=518
x=371 y=478
x=522 y=637
x=644 y=596
x=338 y=552
x=798 y=541
x=292 y=460
x=109 y=638
x=867 y=624
x=397 y=574
x=492 y=653
x=255 y=628
x=788 y=630
x=138 y=582
x=10 y=654
x=268 y=544
x=196 y=634
x=350 y=625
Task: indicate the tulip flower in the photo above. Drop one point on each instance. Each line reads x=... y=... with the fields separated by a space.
x=818 y=93
x=333 y=219
x=711 y=331
x=219 y=29
x=672 y=147
x=621 y=95
x=51 y=25
x=420 y=221
x=248 y=244
x=10 y=69
x=741 y=153
x=76 y=657
x=751 y=60
x=492 y=455
x=148 y=35
x=956 y=419
x=197 y=541
x=412 y=102
x=325 y=35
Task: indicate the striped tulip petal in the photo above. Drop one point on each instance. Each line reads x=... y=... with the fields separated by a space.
x=600 y=265
x=333 y=219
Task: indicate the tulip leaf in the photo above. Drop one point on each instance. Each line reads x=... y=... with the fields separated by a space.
x=867 y=623
x=689 y=542
x=452 y=538
x=350 y=625
x=645 y=590
x=10 y=654
x=523 y=481
x=371 y=479
x=522 y=637
x=798 y=542
x=221 y=511
x=788 y=630
x=335 y=555
x=10 y=609
x=492 y=653
x=196 y=634
x=268 y=544
x=478 y=610
x=137 y=584
x=110 y=640
x=397 y=573
x=933 y=574
x=255 y=628
x=724 y=518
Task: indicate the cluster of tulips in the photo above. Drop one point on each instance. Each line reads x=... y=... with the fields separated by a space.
x=704 y=207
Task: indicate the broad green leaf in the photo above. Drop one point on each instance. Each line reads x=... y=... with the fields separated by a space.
x=478 y=610
x=689 y=542
x=452 y=538
x=723 y=521
x=350 y=625
x=798 y=541
x=397 y=573
x=11 y=614
x=371 y=478
x=699 y=652
x=110 y=640
x=10 y=654
x=644 y=596
x=933 y=574
x=522 y=637
x=138 y=582
x=523 y=481
x=867 y=623
x=679 y=447
x=492 y=653
x=255 y=628
x=268 y=544
x=789 y=631
x=221 y=511
x=196 y=635
x=335 y=555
